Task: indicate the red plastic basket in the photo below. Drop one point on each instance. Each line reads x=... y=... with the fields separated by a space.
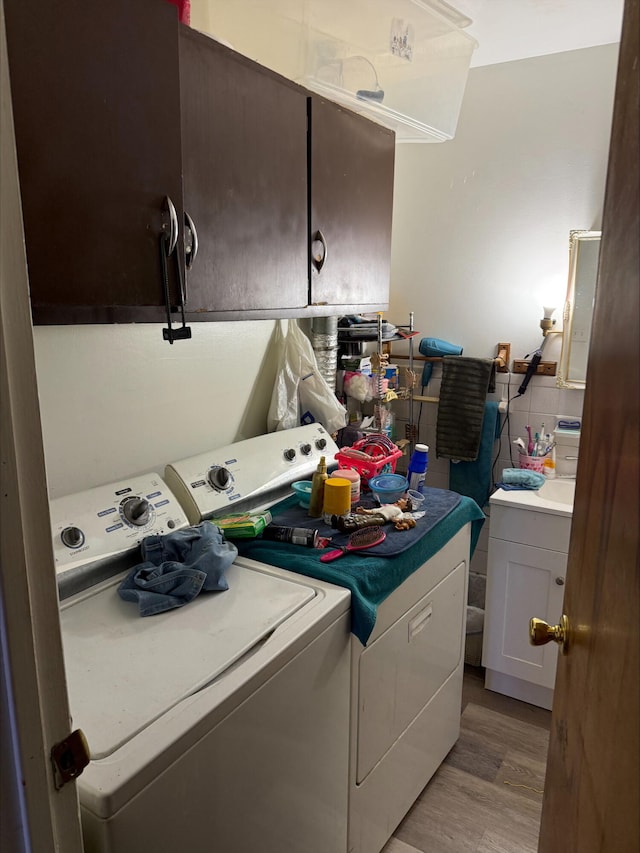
x=372 y=455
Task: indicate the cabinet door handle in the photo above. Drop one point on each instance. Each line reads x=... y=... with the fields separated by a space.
x=319 y=250
x=170 y=244
x=190 y=241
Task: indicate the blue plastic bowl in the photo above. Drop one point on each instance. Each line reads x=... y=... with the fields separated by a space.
x=388 y=488
x=302 y=488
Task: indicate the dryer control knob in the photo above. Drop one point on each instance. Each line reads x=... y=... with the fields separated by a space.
x=290 y=454
x=136 y=511
x=219 y=478
x=72 y=537
x=305 y=449
x=321 y=443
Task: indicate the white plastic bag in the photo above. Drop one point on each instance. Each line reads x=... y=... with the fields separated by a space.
x=301 y=394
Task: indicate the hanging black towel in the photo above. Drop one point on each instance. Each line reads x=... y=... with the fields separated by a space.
x=465 y=382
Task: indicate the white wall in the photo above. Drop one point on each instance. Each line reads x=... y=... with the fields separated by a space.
x=481 y=227
x=119 y=400
x=481 y=223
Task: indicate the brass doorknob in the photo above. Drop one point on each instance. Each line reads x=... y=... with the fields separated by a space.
x=541 y=633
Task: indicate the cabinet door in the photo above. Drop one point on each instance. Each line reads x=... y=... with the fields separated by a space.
x=522 y=581
x=351 y=167
x=95 y=95
x=245 y=181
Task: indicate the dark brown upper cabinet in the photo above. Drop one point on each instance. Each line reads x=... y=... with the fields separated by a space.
x=117 y=108
x=245 y=183
x=351 y=162
x=96 y=103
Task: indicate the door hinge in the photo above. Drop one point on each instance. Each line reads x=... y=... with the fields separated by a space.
x=69 y=757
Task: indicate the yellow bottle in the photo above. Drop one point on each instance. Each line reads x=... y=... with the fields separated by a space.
x=549 y=465
x=317 y=489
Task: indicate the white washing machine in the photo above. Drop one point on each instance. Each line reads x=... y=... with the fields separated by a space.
x=222 y=725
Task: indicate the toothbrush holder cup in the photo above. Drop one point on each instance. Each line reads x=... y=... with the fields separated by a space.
x=532 y=463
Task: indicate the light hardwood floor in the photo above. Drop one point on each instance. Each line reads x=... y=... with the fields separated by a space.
x=487 y=795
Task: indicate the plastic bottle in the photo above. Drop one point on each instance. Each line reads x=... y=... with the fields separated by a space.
x=317 y=489
x=354 y=479
x=337 y=499
x=549 y=465
x=418 y=467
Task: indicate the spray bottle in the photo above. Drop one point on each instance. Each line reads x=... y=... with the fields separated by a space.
x=418 y=467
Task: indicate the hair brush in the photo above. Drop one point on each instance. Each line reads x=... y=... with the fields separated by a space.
x=367 y=537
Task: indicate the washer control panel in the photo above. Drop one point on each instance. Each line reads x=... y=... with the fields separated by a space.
x=110 y=520
x=217 y=480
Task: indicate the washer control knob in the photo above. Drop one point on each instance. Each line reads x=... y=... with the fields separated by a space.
x=305 y=449
x=220 y=478
x=290 y=454
x=72 y=537
x=136 y=511
x=321 y=443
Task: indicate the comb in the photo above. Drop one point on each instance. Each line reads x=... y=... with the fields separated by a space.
x=367 y=537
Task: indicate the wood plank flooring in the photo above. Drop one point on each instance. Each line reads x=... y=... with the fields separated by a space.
x=487 y=795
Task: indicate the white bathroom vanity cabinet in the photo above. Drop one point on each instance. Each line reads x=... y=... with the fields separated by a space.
x=528 y=547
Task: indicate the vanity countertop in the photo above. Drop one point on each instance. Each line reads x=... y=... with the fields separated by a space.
x=554 y=497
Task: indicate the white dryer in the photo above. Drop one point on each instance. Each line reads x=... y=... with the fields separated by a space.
x=219 y=726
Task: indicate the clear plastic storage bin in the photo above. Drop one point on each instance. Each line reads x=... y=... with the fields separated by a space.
x=403 y=63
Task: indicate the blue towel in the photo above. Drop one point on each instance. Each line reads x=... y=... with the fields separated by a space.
x=437 y=504
x=522 y=477
x=474 y=478
x=371 y=579
x=177 y=567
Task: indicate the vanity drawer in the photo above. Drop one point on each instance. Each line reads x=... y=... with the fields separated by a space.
x=526 y=527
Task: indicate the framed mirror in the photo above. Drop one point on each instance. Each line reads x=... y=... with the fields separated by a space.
x=584 y=251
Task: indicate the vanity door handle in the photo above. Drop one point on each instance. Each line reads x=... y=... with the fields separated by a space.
x=168 y=243
x=541 y=633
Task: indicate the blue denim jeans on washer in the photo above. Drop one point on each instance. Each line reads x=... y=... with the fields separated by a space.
x=177 y=567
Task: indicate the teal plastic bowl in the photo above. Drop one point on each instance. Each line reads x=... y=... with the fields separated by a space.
x=388 y=488
x=302 y=488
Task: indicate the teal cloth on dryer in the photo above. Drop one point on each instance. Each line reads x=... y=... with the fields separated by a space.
x=371 y=579
x=474 y=478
